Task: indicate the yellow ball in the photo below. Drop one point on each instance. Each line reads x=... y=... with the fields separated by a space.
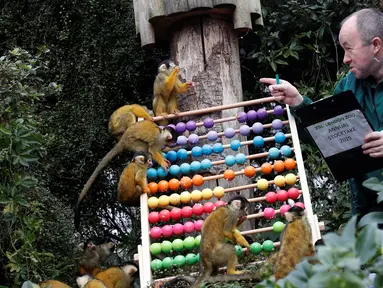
x=291 y=179
x=279 y=181
x=153 y=202
x=207 y=193
x=196 y=195
x=174 y=199
x=262 y=184
x=163 y=201
x=219 y=192
x=185 y=197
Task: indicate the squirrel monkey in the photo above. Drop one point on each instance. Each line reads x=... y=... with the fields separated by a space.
x=141 y=136
x=46 y=284
x=166 y=88
x=133 y=181
x=125 y=117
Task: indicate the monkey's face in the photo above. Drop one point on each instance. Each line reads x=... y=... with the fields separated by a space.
x=166 y=66
x=240 y=205
x=90 y=246
x=169 y=135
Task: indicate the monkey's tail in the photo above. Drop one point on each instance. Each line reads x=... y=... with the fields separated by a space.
x=105 y=161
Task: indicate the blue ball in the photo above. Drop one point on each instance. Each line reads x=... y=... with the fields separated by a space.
x=258 y=141
x=172 y=156
x=274 y=153
x=240 y=158
x=185 y=168
x=174 y=170
x=230 y=160
x=206 y=164
x=195 y=166
x=196 y=151
x=286 y=150
x=235 y=144
x=279 y=137
x=182 y=154
x=151 y=173
x=161 y=172
x=207 y=149
x=217 y=148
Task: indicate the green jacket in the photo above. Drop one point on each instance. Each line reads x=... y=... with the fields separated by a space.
x=363 y=199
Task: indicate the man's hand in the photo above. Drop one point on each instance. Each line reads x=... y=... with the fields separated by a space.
x=284 y=92
x=373 y=144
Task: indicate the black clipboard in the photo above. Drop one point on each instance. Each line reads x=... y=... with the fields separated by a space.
x=350 y=163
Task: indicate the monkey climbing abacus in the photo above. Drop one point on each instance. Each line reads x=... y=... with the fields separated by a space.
x=183 y=193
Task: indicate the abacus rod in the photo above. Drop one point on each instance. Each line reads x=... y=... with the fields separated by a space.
x=216 y=108
x=233 y=189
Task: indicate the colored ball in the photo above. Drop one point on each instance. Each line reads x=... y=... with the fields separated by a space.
x=242 y=117
x=185 y=197
x=196 y=151
x=155 y=248
x=217 y=148
x=278 y=110
x=293 y=193
x=257 y=127
x=266 y=168
x=262 y=184
x=268 y=246
x=197 y=209
x=178 y=229
x=195 y=166
x=219 y=191
x=300 y=204
x=198 y=257
x=258 y=141
x=155 y=232
x=191 y=258
x=177 y=244
x=151 y=173
x=163 y=186
x=279 y=137
x=164 y=215
x=290 y=178
x=229 y=160
x=290 y=164
x=250 y=171
x=207 y=149
x=244 y=130
x=269 y=213
x=174 y=184
x=179 y=260
x=153 y=187
x=207 y=193
x=185 y=168
x=196 y=195
x=182 y=154
x=273 y=153
x=197 y=180
x=219 y=203
x=171 y=156
x=235 y=144
x=229 y=132
x=255 y=248
x=180 y=127
x=167 y=262
x=278 y=226
x=182 y=140
x=174 y=170
x=156 y=264
x=153 y=202
x=193 y=139
x=167 y=231
x=176 y=213
x=251 y=115
x=283 y=209
x=174 y=199
x=163 y=201
x=189 y=227
x=186 y=211
x=191 y=125
x=262 y=114
x=271 y=197
x=161 y=172
x=279 y=180
x=197 y=241
x=229 y=175
x=238 y=250
x=185 y=182
x=154 y=217
x=208 y=122
x=172 y=126
x=198 y=225
x=189 y=242
x=282 y=195
x=212 y=135
x=279 y=166
x=208 y=207
x=277 y=124
x=206 y=164
x=240 y=158
x=285 y=150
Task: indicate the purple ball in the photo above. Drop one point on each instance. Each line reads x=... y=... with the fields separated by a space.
x=252 y=115
x=193 y=139
x=172 y=126
x=241 y=117
x=262 y=114
x=161 y=127
x=180 y=127
x=229 y=132
x=212 y=135
x=244 y=130
x=276 y=124
x=257 y=127
x=182 y=140
x=278 y=110
x=191 y=125
x=208 y=122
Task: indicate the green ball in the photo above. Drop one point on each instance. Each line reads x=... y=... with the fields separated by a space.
x=179 y=260
x=189 y=242
x=178 y=244
x=268 y=246
x=198 y=258
x=166 y=246
x=156 y=264
x=191 y=259
x=155 y=248
x=238 y=250
x=197 y=240
x=255 y=248
x=278 y=227
x=167 y=262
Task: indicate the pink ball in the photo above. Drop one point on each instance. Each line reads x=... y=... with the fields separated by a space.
x=198 y=225
x=208 y=207
x=282 y=195
x=167 y=231
x=300 y=204
x=154 y=217
x=164 y=215
x=176 y=213
x=155 y=232
x=269 y=213
x=197 y=209
x=178 y=229
x=187 y=212
x=189 y=227
x=271 y=197
x=219 y=203
x=293 y=193
x=284 y=208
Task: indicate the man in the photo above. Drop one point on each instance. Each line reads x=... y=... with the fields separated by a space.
x=361 y=37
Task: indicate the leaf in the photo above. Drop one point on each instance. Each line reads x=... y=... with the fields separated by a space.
x=274 y=66
x=23 y=202
x=374 y=184
x=349 y=232
x=380 y=197
x=27 y=182
x=365 y=245
x=371 y=218
x=279 y=61
x=5 y=131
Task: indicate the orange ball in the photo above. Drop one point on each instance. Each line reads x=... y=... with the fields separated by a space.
x=266 y=168
x=185 y=182
x=229 y=175
x=290 y=164
x=163 y=186
x=153 y=187
x=279 y=166
x=250 y=171
x=174 y=184
x=197 y=180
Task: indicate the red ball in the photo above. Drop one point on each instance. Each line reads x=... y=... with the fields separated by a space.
x=178 y=229
x=154 y=217
x=198 y=225
x=155 y=232
x=197 y=209
x=167 y=231
x=282 y=195
x=269 y=213
x=176 y=213
x=219 y=203
x=208 y=207
x=189 y=227
x=187 y=211
x=293 y=193
x=271 y=197
x=300 y=204
x=284 y=208
x=164 y=215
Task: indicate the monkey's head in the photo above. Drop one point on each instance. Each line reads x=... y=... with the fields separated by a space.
x=168 y=135
x=294 y=212
x=240 y=205
x=143 y=158
x=166 y=66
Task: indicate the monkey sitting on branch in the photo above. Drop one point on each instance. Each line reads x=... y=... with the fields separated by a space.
x=167 y=86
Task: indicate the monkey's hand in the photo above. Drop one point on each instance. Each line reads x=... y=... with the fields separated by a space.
x=241 y=220
x=190 y=84
x=166 y=165
x=176 y=111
